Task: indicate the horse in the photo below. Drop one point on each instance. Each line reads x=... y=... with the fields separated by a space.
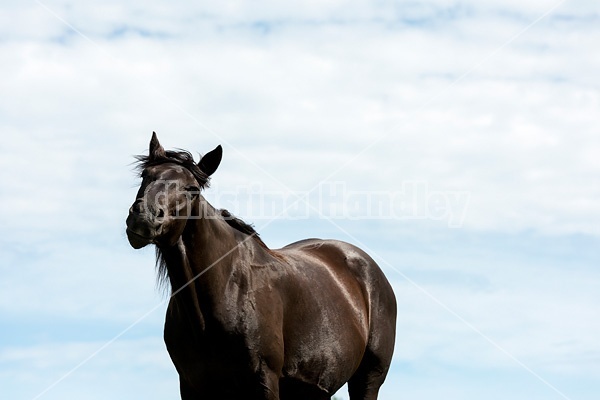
x=248 y=322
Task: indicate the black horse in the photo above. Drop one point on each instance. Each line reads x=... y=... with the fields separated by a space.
x=248 y=322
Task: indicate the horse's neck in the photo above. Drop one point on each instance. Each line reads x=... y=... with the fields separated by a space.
x=202 y=261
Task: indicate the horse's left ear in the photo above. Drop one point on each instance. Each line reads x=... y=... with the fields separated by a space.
x=211 y=160
x=156 y=150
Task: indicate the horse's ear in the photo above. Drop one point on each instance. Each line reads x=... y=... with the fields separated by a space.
x=156 y=150
x=211 y=160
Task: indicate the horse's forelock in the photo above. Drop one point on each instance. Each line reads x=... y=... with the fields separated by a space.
x=181 y=157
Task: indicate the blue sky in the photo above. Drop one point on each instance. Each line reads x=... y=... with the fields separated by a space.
x=479 y=120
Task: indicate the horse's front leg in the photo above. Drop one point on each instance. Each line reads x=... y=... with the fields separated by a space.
x=269 y=385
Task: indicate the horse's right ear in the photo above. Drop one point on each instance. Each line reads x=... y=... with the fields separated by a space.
x=211 y=160
x=156 y=150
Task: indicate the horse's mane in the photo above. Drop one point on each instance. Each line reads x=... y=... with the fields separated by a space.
x=242 y=226
x=162 y=272
x=180 y=157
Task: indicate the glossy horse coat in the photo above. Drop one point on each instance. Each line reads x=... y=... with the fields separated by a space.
x=248 y=322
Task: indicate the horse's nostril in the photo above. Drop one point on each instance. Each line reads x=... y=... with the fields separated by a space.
x=137 y=207
x=161 y=213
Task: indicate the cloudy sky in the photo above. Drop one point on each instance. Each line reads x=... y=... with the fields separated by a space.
x=457 y=142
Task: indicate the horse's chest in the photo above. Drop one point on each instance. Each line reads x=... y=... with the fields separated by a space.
x=207 y=356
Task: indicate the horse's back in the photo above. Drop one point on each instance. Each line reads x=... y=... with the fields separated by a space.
x=338 y=255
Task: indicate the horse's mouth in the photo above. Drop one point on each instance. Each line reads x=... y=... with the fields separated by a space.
x=136 y=240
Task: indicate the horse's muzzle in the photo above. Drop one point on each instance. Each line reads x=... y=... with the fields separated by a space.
x=136 y=240
x=140 y=231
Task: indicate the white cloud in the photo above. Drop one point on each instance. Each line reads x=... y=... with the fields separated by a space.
x=124 y=369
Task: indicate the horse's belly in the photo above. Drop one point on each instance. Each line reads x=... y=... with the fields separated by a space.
x=326 y=362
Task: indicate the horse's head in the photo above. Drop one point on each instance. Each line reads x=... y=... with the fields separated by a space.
x=168 y=195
